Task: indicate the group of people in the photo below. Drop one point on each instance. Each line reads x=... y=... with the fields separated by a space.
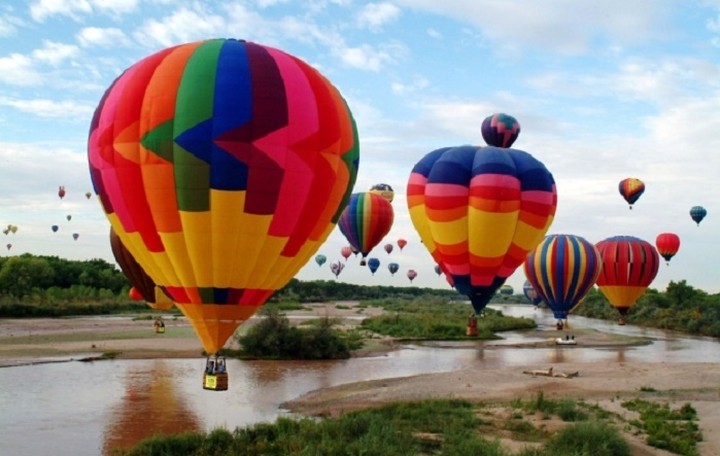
x=215 y=366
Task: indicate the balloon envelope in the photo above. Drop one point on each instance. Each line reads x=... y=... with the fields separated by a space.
x=346 y=251
x=631 y=189
x=411 y=274
x=506 y=290
x=698 y=213
x=366 y=220
x=530 y=293
x=320 y=259
x=629 y=265
x=373 y=264
x=54 y=228
x=479 y=211
x=384 y=190
x=223 y=165
x=667 y=245
x=500 y=130
x=393 y=268
x=401 y=243
x=562 y=269
x=388 y=248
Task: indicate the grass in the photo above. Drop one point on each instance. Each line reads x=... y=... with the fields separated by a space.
x=441 y=427
x=672 y=430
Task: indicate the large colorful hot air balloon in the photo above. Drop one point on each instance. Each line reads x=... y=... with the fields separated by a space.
x=698 y=213
x=479 y=211
x=142 y=283
x=629 y=266
x=667 y=245
x=562 y=269
x=393 y=268
x=366 y=220
x=223 y=166
x=500 y=130
x=373 y=264
x=631 y=188
x=531 y=293
x=384 y=190
x=320 y=259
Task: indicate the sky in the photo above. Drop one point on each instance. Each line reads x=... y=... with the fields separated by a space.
x=602 y=91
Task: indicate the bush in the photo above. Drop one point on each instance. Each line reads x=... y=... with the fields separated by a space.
x=588 y=438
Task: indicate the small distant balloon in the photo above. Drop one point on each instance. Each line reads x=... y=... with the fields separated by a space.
x=61 y=191
x=9 y=246
x=393 y=268
x=76 y=236
x=69 y=217
x=6 y=231
x=411 y=274
x=388 y=248
x=373 y=264
x=698 y=213
x=88 y=195
x=631 y=189
x=54 y=228
x=320 y=259
x=384 y=190
x=337 y=268
x=346 y=251
x=13 y=229
x=500 y=130
x=506 y=289
x=401 y=243
x=667 y=245
x=438 y=270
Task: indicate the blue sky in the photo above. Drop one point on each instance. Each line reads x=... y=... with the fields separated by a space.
x=603 y=91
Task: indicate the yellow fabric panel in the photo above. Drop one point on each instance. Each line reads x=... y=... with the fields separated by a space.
x=527 y=237
x=491 y=236
x=215 y=324
x=244 y=251
x=622 y=295
x=453 y=232
x=162 y=302
x=227 y=224
x=197 y=234
x=176 y=267
x=284 y=268
x=134 y=243
x=268 y=257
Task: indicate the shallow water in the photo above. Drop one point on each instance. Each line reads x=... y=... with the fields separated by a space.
x=91 y=408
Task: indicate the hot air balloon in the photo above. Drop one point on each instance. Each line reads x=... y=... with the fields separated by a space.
x=135 y=294
x=401 y=243
x=54 y=228
x=223 y=166
x=337 y=268
x=698 y=213
x=393 y=268
x=629 y=266
x=562 y=269
x=479 y=211
x=6 y=231
x=141 y=282
x=88 y=195
x=346 y=251
x=631 y=189
x=506 y=290
x=61 y=191
x=13 y=229
x=9 y=246
x=411 y=274
x=388 y=248
x=75 y=236
x=320 y=259
x=366 y=220
x=667 y=245
x=384 y=190
x=438 y=269
x=500 y=130
x=531 y=294
x=68 y=217
x=373 y=264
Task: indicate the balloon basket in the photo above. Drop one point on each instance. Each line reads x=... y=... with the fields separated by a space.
x=159 y=330
x=471 y=331
x=215 y=382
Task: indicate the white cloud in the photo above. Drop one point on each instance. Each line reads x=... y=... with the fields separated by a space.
x=375 y=15
x=42 y=9
x=18 y=69
x=101 y=37
x=363 y=57
x=115 y=7
x=434 y=33
x=183 y=25
x=54 y=53
x=418 y=83
x=49 y=108
x=9 y=25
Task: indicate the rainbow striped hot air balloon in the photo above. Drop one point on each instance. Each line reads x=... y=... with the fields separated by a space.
x=629 y=265
x=562 y=269
x=479 y=211
x=366 y=220
x=223 y=166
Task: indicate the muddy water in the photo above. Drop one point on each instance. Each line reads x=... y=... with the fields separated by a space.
x=91 y=408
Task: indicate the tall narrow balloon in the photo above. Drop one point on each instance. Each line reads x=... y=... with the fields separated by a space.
x=223 y=166
x=479 y=211
x=562 y=269
x=629 y=265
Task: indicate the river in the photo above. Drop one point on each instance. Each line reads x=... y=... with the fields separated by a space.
x=92 y=408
